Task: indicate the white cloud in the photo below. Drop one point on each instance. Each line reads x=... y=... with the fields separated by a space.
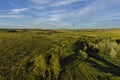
x=107 y=17
x=91 y=9
x=97 y=6
x=55 y=3
x=53 y=18
x=65 y=2
x=57 y=11
x=11 y=16
x=75 y=15
x=42 y=4
x=14 y=13
x=40 y=1
x=19 y=10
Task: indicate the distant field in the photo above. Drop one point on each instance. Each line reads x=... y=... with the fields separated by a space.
x=60 y=54
x=112 y=33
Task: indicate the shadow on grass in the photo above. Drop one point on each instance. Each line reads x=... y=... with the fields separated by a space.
x=111 y=68
x=67 y=60
x=68 y=63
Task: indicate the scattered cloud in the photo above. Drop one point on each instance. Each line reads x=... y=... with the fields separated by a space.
x=13 y=13
x=18 y=11
x=53 y=18
x=11 y=16
x=78 y=12
x=12 y=3
x=41 y=1
x=44 y=4
x=64 y=2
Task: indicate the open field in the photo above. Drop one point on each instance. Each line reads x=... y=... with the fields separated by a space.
x=60 y=54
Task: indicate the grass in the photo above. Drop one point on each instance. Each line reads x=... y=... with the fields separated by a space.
x=18 y=50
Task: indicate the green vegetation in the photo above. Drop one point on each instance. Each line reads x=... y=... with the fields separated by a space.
x=60 y=54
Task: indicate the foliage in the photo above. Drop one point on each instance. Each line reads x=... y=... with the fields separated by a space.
x=113 y=53
x=83 y=54
x=40 y=66
x=59 y=55
x=55 y=66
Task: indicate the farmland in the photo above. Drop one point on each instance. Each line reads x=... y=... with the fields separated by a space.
x=60 y=54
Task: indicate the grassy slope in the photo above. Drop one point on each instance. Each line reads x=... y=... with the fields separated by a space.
x=17 y=48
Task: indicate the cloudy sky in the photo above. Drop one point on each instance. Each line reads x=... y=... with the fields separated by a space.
x=59 y=14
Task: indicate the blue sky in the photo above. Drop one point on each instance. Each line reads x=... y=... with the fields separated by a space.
x=60 y=14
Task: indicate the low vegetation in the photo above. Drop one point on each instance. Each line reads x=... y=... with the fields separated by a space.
x=60 y=54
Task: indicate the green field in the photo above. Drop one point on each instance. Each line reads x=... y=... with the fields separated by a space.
x=60 y=54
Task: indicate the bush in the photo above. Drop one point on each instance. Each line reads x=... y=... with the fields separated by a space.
x=12 y=30
x=113 y=53
x=83 y=54
x=40 y=66
x=55 y=65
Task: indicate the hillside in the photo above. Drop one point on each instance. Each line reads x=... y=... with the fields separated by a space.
x=60 y=54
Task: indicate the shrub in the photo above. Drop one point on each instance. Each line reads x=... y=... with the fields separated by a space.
x=12 y=30
x=113 y=53
x=83 y=54
x=55 y=65
x=40 y=66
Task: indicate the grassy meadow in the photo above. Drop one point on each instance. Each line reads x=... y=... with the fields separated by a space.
x=60 y=54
